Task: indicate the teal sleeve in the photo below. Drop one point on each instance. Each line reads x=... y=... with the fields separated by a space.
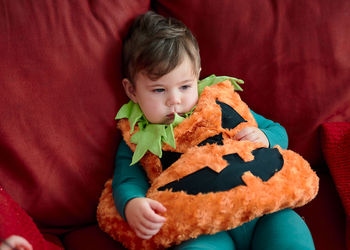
x=274 y=132
x=128 y=181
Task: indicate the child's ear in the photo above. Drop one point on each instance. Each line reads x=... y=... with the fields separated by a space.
x=129 y=89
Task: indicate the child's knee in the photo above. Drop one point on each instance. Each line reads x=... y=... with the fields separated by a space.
x=282 y=230
x=219 y=241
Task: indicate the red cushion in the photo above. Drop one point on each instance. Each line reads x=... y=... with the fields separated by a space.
x=293 y=56
x=15 y=221
x=60 y=90
x=336 y=147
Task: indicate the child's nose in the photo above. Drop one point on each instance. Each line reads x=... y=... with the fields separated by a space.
x=173 y=99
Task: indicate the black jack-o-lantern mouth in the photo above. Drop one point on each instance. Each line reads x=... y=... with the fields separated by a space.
x=265 y=164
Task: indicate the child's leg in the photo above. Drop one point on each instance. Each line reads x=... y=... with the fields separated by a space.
x=282 y=230
x=219 y=241
x=242 y=235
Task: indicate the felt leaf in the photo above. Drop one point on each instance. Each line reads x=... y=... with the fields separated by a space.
x=150 y=138
x=133 y=112
x=138 y=154
x=213 y=79
x=170 y=138
x=125 y=110
x=177 y=120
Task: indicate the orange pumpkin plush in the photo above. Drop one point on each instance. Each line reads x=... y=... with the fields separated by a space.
x=210 y=182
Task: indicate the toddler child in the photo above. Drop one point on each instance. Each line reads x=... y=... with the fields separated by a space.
x=161 y=67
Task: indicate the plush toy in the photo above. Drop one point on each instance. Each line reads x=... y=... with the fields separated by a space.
x=210 y=182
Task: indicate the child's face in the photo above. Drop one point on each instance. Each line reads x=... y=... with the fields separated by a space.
x=159 y=100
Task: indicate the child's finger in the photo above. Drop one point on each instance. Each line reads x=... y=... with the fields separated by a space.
x=154 y=218
x=157 y=206
x=142 y=234
x=152 y=215
x=150 y=225
x=146 y=232
x=243 y=134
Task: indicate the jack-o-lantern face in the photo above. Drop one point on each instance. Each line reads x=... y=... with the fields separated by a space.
x=211 y=182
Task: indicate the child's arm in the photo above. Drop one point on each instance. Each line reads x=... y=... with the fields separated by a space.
x=128 y=181
x=130 y=185
x=268 y=132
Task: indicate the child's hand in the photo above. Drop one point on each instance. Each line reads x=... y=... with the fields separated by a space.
x=141 y=214
x=252 y=134
x=15 y=242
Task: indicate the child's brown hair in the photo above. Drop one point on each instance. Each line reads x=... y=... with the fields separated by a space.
x=156 y=45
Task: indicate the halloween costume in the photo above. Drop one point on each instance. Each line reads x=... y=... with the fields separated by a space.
x=210 y=182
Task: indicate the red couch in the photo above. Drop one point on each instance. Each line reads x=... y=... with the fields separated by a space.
x=60 y=90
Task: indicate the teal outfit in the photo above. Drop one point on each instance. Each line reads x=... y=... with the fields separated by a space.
x=281 y=230
x=277 y=231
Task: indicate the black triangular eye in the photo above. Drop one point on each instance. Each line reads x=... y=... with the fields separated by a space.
x=168 y=158
x=229 y=117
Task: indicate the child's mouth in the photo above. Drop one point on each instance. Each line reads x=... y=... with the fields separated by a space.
x=171 y=116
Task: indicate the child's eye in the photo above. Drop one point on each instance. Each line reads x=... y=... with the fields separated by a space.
x=184 y=87
x=158 y=90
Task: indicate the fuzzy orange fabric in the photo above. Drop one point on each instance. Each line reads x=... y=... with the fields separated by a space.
x=188 y=215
